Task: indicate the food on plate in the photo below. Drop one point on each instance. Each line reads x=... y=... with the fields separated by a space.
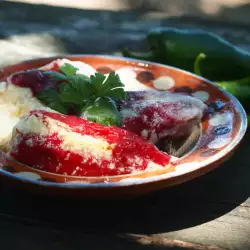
x=14 y=102
x=36 y=88
x=67 y=91
x=202 y=53
x=66 y=118
x=157 y=115
x=71 y=145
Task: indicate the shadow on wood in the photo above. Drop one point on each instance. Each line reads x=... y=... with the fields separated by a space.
x=183 y=206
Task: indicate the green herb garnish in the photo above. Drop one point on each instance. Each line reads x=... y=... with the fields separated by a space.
x=103 y=110
x=91 y=97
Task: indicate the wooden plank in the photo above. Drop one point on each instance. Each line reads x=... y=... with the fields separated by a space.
x=229 y=232
x=188 y=220
x=31 y=234
x=158 y=241
x=80 y=31
x=217 y=9
x=31 y=237
x=207 y=213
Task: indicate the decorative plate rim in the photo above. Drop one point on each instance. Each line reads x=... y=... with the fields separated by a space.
x=139 y=181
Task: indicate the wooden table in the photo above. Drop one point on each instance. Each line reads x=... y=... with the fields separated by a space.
x=211 y=212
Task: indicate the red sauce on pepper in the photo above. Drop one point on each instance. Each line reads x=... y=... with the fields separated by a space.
x=130 y=153
x=34 y=79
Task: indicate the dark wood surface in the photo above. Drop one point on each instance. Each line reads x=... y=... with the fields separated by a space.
x=210 y=212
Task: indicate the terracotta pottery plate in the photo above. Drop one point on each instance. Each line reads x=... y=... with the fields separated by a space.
x=208 y=146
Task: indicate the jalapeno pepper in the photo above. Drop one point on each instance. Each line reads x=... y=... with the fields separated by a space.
x=239 y=88
x=180 y=48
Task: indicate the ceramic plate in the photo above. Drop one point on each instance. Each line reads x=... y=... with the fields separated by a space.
x=218 y=135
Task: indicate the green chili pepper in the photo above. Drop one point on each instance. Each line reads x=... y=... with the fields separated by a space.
x=248 y=119
x=239 y=88
x=180 y=48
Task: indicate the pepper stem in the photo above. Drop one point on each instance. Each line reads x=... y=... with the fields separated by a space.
x=221 y=84
x=146 y=56
x=198 y=59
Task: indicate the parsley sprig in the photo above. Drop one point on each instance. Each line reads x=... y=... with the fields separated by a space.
x=92 y=98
